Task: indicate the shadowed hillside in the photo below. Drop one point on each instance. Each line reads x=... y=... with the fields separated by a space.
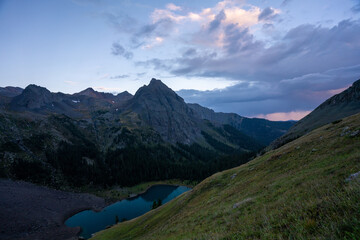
x=335 y=108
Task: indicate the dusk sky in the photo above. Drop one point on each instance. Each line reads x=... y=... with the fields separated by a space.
x=277 y=59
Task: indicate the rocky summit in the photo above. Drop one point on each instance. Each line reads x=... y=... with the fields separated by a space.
x=166 y=112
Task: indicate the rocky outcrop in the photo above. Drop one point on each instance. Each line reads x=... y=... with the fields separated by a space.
x=166 y=112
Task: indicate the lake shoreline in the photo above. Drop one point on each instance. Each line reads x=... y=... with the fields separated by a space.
x=30 y=211
x=122 y=193
x=128 y=208
x=161 y=184
x=109 y=202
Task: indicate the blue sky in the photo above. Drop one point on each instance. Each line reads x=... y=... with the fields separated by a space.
x=277 y=59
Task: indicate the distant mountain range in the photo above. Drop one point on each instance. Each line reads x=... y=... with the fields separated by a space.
x=150 y=103
x=103 y=138
x=99 y=138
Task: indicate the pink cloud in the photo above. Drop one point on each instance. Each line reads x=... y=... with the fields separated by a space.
x=284 y=116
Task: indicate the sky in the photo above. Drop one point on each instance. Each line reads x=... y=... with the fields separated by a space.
x=274 y=59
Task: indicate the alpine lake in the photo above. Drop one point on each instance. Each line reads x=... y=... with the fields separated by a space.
x=92 y=222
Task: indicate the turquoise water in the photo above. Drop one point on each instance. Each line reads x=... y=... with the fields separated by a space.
x=91 y=222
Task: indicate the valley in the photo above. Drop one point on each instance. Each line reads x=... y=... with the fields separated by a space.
x=118 y=146
x=303 y=190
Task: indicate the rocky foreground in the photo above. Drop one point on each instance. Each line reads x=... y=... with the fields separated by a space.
x=28 y=211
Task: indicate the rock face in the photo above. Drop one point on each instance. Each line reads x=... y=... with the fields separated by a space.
x=166 y=112
x=333 y=109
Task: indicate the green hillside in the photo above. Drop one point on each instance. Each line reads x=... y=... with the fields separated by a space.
x=299 y=191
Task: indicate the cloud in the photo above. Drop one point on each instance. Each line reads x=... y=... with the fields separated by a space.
x=141 y=74
x=119 y=76
x=189 y=52
x=214 y=24
x=300 y=94
x=159 y=14
x=118 y=50
x=121 y=22
x=239 y=40
x=285 y=2
x=284 y=116
x=155 y=32
x=294 y=71
x=173 y=21
x=303 y=50
x=267 y=14
x=72 y=83
x=153 y=43
x=173 y=7
x=156 y=63
x=356 y=8
x=210 y=19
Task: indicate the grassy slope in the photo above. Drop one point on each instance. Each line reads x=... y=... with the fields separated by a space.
x=295 y=192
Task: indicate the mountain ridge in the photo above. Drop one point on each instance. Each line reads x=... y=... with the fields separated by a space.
x=263 y=130
x=335 y=108
x=98 y=138
x=144 y=102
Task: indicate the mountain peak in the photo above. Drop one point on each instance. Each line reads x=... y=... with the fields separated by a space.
x=124 y=93
x=156 y=83
x=156 y=88
x=89 y=89
x=90 y=92
x=123 y=96
x=87 y=92
x=33 y=97
x=165 y=111
x=34 y=87
x=35 y=90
